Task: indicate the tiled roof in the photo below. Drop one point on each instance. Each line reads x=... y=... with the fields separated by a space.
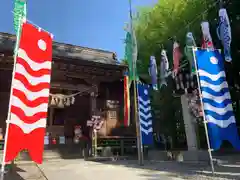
x=61 y=50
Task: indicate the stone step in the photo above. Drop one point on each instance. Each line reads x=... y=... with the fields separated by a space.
x=55 y=154
x=48 y=155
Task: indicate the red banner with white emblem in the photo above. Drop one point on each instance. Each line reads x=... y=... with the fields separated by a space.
x=30 y=94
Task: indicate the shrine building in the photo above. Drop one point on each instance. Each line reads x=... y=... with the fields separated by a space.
x=84 y=82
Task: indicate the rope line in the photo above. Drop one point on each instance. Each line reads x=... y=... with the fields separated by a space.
x=195 y=19
x=78 y=93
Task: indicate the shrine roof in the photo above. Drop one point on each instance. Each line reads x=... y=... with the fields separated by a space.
x=68 y=51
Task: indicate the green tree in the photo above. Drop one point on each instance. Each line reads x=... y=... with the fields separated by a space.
x=168 y=18
x=155 y=28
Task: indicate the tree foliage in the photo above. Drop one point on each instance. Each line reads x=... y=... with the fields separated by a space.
x=158 y=26
x=168 y=20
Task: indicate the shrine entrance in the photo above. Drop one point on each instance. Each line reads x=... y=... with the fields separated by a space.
x=68 y=111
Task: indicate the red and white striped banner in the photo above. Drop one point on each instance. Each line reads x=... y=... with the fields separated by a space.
x=30 y=94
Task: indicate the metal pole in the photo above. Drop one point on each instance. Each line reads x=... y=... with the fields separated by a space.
x=10 y=99
x=204 y=117
x=136 y=118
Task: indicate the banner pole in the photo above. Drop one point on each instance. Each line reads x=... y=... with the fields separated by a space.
x=204 y=117
x=10 y=100
x=138 y=127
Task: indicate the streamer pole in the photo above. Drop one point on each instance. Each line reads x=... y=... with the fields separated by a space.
x=204 y=116
x=136 y=118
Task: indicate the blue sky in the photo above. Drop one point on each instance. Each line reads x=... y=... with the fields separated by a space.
x=90 y=23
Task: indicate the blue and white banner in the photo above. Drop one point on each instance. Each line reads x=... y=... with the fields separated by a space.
x=217 y=103
x=145 y=114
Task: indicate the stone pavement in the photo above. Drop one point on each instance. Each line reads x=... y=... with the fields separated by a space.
x=25 y=171
x=86 y=170
x=76 y=169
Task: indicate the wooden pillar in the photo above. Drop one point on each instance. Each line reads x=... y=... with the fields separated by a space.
x=51 y=109
x=93 y=109
x=105 y=104
x=93 y=102
x=107 y=93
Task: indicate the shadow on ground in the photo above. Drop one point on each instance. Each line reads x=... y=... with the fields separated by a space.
x=24 y=171
x=180 y=170
x=13 y=174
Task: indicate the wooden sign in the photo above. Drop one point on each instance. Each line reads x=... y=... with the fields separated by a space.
x=111 y=104
x=111 y=115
